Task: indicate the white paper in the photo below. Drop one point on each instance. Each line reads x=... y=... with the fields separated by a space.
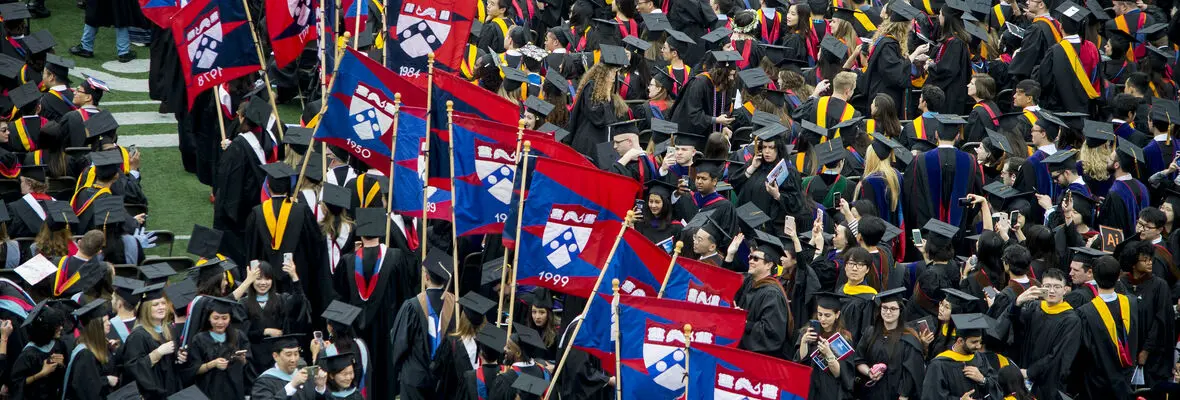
x=36 y=269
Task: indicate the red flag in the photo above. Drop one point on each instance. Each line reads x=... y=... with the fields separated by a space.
x=214 y=43
x=422 y=27
x=724 y=373
x=289 y=25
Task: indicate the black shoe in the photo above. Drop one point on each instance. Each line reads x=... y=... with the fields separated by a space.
x=80 y=52
x=127 y=57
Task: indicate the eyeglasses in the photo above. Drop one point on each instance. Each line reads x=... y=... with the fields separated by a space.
x=856 y=264
x=1053 y=287
x=890 y=309
x=1141 y=223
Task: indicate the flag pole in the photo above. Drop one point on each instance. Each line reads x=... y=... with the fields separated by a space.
x=516 y=246
x=356 y=26
x=323 y=49
x=270 y=94
x=504 y=263
x=397 y=112
x=385 y=34
x=315 y=130
x=687 y=357
x=614 y=283
x=425 y=149
x=454 y=229
x=601 y=274
x=220 y=118
x=671 y=264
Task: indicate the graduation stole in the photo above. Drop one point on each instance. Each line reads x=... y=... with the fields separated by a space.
x=990 y=112
x=927 y=7
x=520 y=12
x=945 y=327
x=79 y=209
x=853 y=290
x=948 y=211
x=365 y=198
x=65 y=385
x=499 y=21
x=120 y=328
x=366 y=287
x=69 y=102
x=821 y=116
x=10 y=172
x=864 y=20
x=770 y=36
x=276 y=373
x=1057 y=309
x=706 y=200
x=1054 y=26
x=745 y=61
x=919 y=126
x=60 y=282
x=581 y=41
x=279 y=227
x=628 y=27
x=440 y=322
x=677 y=84
x=999 y=13
x=468 y=65
x=954 y=355
x=1120 y=22
x=1118 y=339
x=22 y=133
x=1075 y=65
x=481 y=381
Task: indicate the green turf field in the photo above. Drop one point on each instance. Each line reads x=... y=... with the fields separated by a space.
x=177 y=199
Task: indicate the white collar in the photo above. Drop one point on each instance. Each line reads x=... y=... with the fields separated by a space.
x=1158 y=240
x=1163 y=137
x=36 y=206
x=1023 y=279
x=59 y=88
x=1092 y=282
x=1117 y=121
x=559 y=50
x=1108 y=297
x=1075 y=39
x=254 y=145
x=1079 y=181
x=946 y=146
x=524 y=364
x=1048 y=149
x=1126 y=177
x=1033 y=108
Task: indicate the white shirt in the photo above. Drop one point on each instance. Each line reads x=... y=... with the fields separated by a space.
x=1048 y=149
x=1126 y=177
x=1108 y=297
x=1075 y=39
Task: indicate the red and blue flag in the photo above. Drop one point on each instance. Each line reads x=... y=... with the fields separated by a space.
x=215 y=44
x=160 y=12
x=638 y=264
x=355 y=16
x=421 y=27
x=289 y=23
x=718 y=372
x=696 y=282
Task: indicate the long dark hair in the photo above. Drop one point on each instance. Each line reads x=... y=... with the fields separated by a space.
x=659 y=221
x=1012 y=383
x=1039 y=240
x=892 y=337
x=803 y=23
x=886 y=116
x=273 y=304
x=991 y=249
x=952 y=26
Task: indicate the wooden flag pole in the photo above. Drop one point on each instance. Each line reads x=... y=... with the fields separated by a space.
x=426 y=151
x=323 y=49
x=454 y=229
x=672 y=264
x=220 y=118
x=356 y=26
x=385 y=33
x=615 y=328
x=687 y=357
x=504 y=263
x=270 y=94
x=315 y=130
x=601 y=274
x=397 y=112
x=516 y=246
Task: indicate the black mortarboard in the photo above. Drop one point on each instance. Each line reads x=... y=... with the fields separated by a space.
x=751 y=215
x=10 y=66
x=526 y=384
x=156 y=273
x=476 y=307
x=1073 y=11
x=540 y=298
x=1061 y=160
x=109 y=158
x=529 y=340
x=830 y=152
x=298 y=136
x=125 y=287
x=109 y=210
x=717 y=35
x=335 y=364
x=883 y=144
x=971 y=325
x=776 y=53
x=1098 y=133
x=279 y=343
x=492 y=338
x=213 y=267
x=664 y=127
x=257 y=111
x=335 y=196
x=222 y=305
x=14 y=11
x=614 y=56
x=1129 y=153
x=438 y=264
x=476 y=30
x=1048 y=120
x=678 y=40
x=637 y=44
x=59 y=214
x=656 y=22
x=1154 y=32
x=690 y=139
x=1085 y=254
x=101 y=124
x=149 y=292
x=341 y=312
x=902 y=11
x=491 y=271
x=630 y=126
x=724 y=57
x=371 y=222
x=1163 y=51
x=999 y=141
x=1165 y=110
x=844 y=13
x=976 y=31
x=35 y=172
x=1002 y=191
x=770 y=245
x=40 y=42
x=94 y=309
x=959 y=297
x=714 y=167
x=59 y=66
x=770 y=132
x=833 y=46
x=763 y=118
x=891 y=232
x=811 y=132
x=936 y=227
x=513 y=77
x=129 y=391
x=753 y=78
x=554 y=78
x=829 y=300
x=278 y=170
x=895 y=294
x=705 y=221
x=181 y=293
x=27 y=93
x=541 y=107
x=1096 y=10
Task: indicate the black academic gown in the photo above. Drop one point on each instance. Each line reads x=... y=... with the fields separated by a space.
x=904 y=361
x=980 y=120
x=1105 y=376
x=83 y=202
x=857 y=312
x=1037 y=40
x=1157 y=326
x=301 y=237
x=87 y=378
x=474 y=385
x=231 y=383
x=888 y=72
x=73 y=126
x=453 y=363
x=588 y=122
x=823 y=384
x=945 y=380
x=951 y=72
x=286 y=312
x=156 y=382
x=269 y=387
x=26 y=221
x=28 y=363
x=239 y=185
x=413 y=354
x=1051 y=340
x=956 y=176
x=768 y=317
x=53 y=107
x=396 y=281
x=1060 y=88
x=699 y=103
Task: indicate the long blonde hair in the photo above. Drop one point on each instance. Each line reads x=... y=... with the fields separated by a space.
x=143 y=316
x=874 y=164
x=1095 y=160
x=899 y=31
x=53 y=243
x=847 y=34
x=95 y=338
x=332 y=223
x=466 y=329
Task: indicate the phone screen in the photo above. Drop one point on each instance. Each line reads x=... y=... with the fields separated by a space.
x=1014 y=215
x=815 y=325
x=917 y=234
x=318 y=335
x=991 y=291
x=923 y=325
x=287 y=257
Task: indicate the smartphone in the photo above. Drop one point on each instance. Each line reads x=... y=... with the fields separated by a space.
x=131 y=150
x=923 y=325
x=240 y=353
x=790 y=221
x=837 y=196
x=966 y=201
x=288 y=258
x=1014 y=215
x=312 y=371
x=815 y=325
x=639 y=205
x=253 y=263
x=991 y=291
x=917 y=234
x=318 y=335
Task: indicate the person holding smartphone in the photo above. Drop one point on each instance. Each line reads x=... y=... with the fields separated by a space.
x=1053 y=331
x=220 y=352
x=831 y=378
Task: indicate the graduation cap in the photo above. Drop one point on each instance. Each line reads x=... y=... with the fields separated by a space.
x=751 y=215
x=725 y=58
x=529 y=340
x=1061 y=160
x=829 y=300
x=902 y=11
x=1130 y=155
x=763 y=118
x=95 y=83
x=717 y=35
x=298 y=137
x=40 y=42
x=776 y=53
x=36 y=313
x=844 y=13
x=475 y=307
x=883 y=144
x=181 y=293
x=1002 y=191
x=149 y=292
x=59 y=66
x=891 y=232
x=622 y=128
x=714 y=167
x=962 y=7
x=14 y=11
x=476 y=30
x=223 y=305
x=656 y=22
x=1048 y=120
x=811 y=132
x=976 y=31
x=101 y=124
x=636 y=43
x=998 y=141
x=770 y=245
x=279 y=343
x=541 y=107
x=513 y=77
x=830 y=152
x=1086 y=254
x=93 y=310
x=690 y=139
x=1154 y=32
x=554 y=78
x=664 y=127
x=27 y=93
x=1073 y=11
x=1165 y=110
x=1096 y=10
x=492 y=339
x=895 y=294
x=959 y=298
x=614 y=56
x=529 y=387
x=1097 y=133
x=335 y=364
x=971 y=325
x=156 y=273
x=705 y=221
x=678 y=40
x=438 y=264
x=213 y=267
x=126 y=287
x=940 y=228
x=833 y=46
x=491 y=271
x=279 y=171
x=35 y=172
x=109 y=210
x=257 y=111
x=10 y=66
x=60 y=215
x=753 y=78
x=1163 y=51
x=341 y=312
x=335 y=196
x=770 y=132
x=129 y=391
